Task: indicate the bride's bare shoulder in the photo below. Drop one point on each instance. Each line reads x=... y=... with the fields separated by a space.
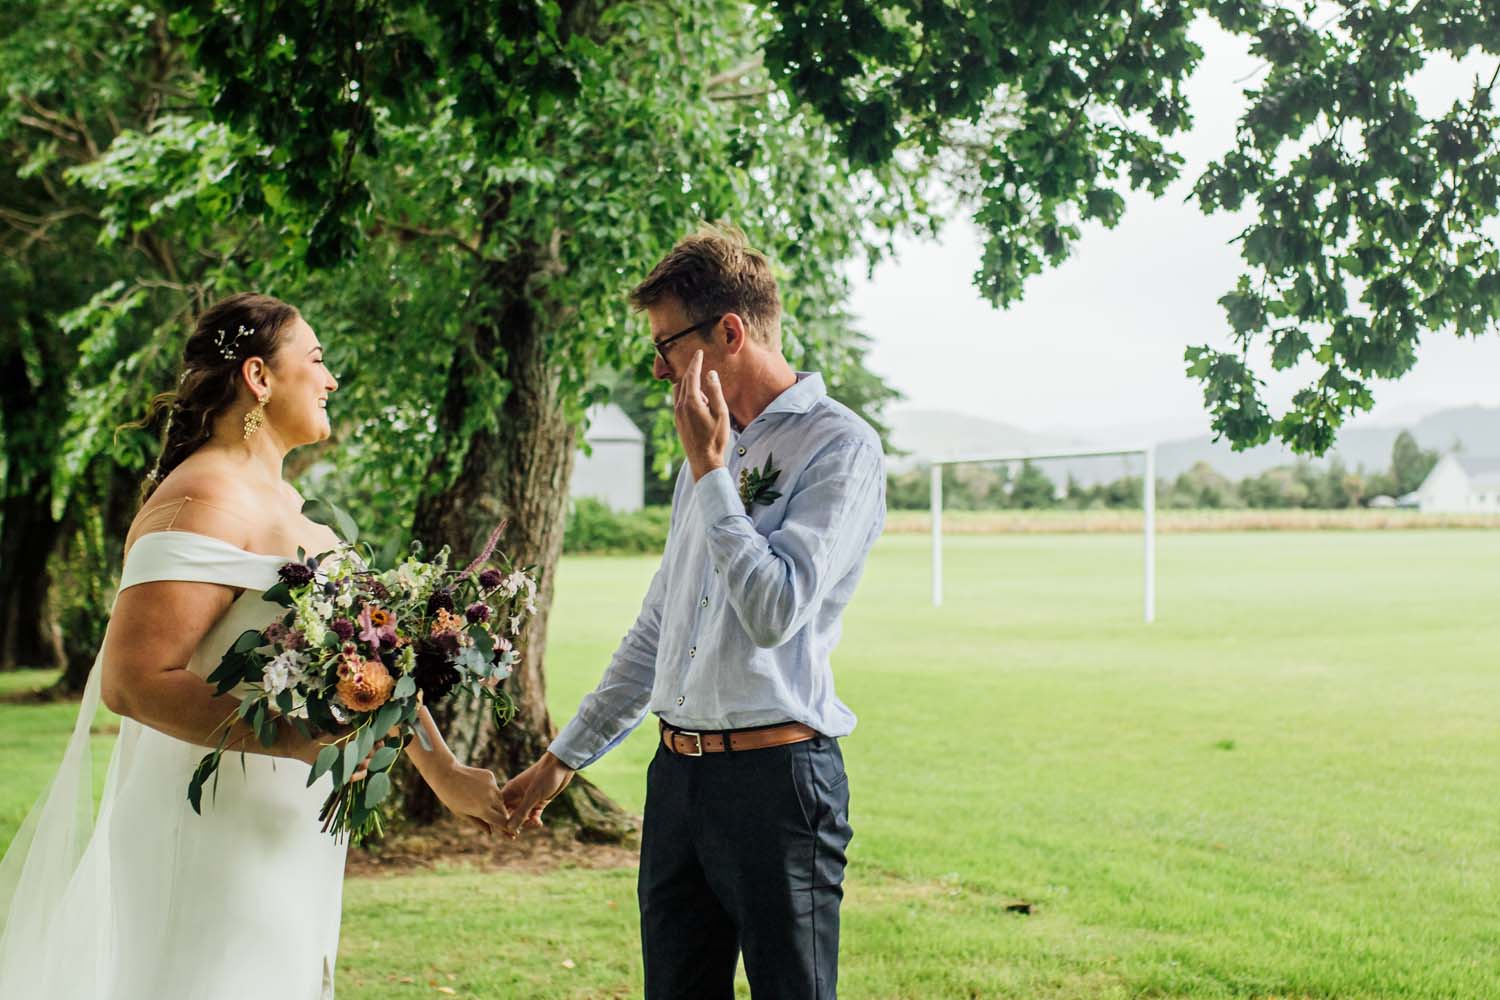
x=206 y=498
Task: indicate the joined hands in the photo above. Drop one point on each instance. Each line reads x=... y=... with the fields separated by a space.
x=472 y=793
x=530 y=792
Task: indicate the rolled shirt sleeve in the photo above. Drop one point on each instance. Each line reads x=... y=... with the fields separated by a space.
x=613 y=709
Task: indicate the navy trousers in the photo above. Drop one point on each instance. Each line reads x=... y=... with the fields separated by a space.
x=742 y=853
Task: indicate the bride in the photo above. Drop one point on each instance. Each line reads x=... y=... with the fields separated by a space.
x=157 y=902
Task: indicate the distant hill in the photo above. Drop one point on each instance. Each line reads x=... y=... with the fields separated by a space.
x=922 y=434
x=1474 y=430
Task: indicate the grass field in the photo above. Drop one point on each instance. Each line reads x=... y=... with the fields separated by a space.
x=1168 y=521
x=1284 y=788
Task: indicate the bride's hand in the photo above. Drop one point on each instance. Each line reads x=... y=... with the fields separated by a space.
x=472 y=793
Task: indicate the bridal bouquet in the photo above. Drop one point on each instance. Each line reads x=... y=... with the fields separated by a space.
x=361 y=649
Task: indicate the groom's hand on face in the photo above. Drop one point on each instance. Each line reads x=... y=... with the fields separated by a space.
x=702 y=418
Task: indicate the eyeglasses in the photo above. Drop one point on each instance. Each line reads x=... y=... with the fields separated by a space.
x=666 y=342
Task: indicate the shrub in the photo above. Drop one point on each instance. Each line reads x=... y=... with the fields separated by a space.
x=593 y=527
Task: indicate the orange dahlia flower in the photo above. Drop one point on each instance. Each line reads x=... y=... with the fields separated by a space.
x=367 y=687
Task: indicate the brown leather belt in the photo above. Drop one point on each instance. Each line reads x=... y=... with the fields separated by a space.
x=686 y=743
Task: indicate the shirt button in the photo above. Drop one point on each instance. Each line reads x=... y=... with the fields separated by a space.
x=693 y=652
x=679 y=699
x=740 y=451
x=703 y=603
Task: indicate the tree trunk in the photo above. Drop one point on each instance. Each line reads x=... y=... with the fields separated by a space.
x=519 y=470
x=29 y=636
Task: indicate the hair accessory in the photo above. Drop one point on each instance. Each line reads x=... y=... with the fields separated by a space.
x=227 y=343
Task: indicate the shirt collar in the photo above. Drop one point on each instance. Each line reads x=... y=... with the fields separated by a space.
x=799 y=397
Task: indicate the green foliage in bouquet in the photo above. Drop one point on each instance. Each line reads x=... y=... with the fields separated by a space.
x=366 y=640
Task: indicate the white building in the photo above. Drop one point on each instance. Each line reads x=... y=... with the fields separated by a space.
x=615 y=472
x=1459 y=484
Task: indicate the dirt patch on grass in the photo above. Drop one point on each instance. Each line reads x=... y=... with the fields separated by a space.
x=448 y=844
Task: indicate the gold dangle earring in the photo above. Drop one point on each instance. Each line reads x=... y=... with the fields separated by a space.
x=256 y=417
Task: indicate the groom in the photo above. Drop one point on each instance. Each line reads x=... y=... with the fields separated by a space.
x=783 y=493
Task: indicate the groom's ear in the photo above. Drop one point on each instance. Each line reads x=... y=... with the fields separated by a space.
x=735 y=333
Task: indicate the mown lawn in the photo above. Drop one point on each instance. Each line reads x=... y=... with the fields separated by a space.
x=1283 y=788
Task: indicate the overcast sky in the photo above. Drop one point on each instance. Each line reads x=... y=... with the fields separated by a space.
x=1098 y=342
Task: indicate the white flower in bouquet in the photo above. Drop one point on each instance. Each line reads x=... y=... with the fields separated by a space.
x=517 y=582
x=338 y=564
x=311 y=620
x=418 y=578
x=283 y=673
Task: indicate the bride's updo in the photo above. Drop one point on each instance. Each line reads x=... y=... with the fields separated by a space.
x=246 y=325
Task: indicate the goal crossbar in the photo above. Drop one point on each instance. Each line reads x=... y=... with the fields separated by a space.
x=1148 y=504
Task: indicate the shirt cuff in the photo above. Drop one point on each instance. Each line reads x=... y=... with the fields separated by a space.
x=576 y=745
x=717 y=498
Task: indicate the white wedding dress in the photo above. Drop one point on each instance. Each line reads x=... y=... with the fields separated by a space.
x=156 y=902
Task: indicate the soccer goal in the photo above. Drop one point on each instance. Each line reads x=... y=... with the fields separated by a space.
x=1148 y=504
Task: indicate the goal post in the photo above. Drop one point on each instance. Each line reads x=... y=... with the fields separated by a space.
x=1148 y=507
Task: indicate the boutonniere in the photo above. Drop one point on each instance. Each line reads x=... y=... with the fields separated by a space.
x=755 y=485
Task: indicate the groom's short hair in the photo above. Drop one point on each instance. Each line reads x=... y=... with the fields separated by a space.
x=716 y=271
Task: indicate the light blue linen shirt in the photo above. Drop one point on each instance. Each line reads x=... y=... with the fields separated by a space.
x=739 y=622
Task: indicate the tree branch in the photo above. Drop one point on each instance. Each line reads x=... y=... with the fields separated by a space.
x=41 y=111
x=35 y=227
x=743 y=95
x=60 y=132
x=1101 y=73
x=411 y=229
x=732 y=74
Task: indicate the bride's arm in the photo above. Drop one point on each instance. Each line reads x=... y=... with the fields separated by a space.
x=470 y=792
x=152 y=634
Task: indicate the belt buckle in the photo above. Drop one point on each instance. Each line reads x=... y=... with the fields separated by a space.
x=698 y=737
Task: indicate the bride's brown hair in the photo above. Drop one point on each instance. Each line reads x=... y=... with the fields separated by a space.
x=246 y=325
